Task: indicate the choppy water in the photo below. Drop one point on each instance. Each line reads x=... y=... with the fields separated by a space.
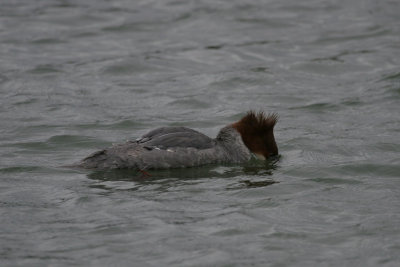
x=76 y=76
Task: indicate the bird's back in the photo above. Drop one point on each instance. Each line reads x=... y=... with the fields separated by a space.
x=166 y=147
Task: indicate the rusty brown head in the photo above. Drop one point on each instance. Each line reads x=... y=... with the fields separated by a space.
x=257 y=131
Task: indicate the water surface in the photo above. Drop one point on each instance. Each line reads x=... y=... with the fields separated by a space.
x=77 y=76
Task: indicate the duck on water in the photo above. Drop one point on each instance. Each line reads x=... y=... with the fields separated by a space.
x=179 y=147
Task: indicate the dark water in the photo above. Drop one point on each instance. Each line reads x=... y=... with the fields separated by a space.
x=76 y=76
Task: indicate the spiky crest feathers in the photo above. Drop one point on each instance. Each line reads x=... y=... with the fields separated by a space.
x=258 y=122
x=256 y=129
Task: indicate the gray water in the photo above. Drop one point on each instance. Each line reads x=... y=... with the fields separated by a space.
x=77 y=76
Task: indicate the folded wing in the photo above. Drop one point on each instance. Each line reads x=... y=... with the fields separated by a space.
x=169 y=137
x=165 y=147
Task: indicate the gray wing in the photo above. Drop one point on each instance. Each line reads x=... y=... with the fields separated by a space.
x=151 y=151
x=167 y=137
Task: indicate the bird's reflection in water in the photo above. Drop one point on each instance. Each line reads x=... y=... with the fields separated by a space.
x=253 y=169
x=249 y=183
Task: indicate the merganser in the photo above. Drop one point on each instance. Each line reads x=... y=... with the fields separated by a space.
x=176 y=147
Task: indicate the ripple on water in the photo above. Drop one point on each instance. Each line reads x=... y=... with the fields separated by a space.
x=34 y=169
x=375 y=170
x=390 y=77
x=18 y=169
x=68 y=140
x=336 y=38
x=133 y=27
x=319 y=107
x=335 y=181
x=392 y=84
x=59 y=143
x=191 y=102
x=330 y=68
x=49 y=41
x=45 y=69
x=131 y=66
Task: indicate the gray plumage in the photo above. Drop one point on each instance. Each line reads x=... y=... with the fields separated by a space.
x=171 y=147
x=166 y=137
